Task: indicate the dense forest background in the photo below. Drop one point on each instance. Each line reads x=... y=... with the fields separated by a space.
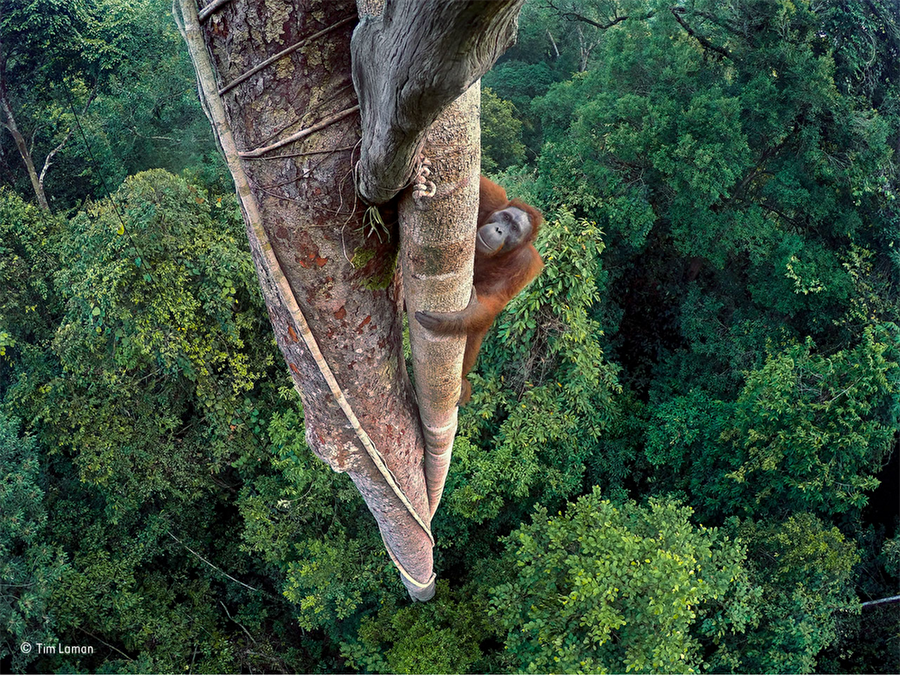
x=681 y=454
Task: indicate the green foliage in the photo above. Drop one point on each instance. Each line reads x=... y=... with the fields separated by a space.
x=313 y=526
x=120 y=70
x=163 y=293
x=716 y=323
x=27 y=302
x=804 y=568
x=146 y=414
x=869 y=640
x=807 y=432
x=110 y=590
x=53 y=39
x=153 y=101
x=660 y=132
x=441 y=637
x=501 y=138
x=546 y=397
x=30 y=567
x=607 y=588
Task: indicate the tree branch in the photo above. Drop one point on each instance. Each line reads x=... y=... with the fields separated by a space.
x=119 y=651
x=208 y=563
x=9 y=122
x=572 y=15
x=553 y=42
x=49 y=159
x=677 y=12
x=885 y=600
x=409 y=64
x=721 y=23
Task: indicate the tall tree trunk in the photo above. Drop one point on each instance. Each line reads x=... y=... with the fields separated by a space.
x=9 y=121
x=315 y=267
x=275 y=79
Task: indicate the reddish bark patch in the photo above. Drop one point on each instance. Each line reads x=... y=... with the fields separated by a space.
x=307 y=252
x=363 y=324
x=291 y=335
x=294 y=368
x=341 y=314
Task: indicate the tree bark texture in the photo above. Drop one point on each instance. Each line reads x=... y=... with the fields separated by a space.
x=314 y=264
x=409 y=64
x=437 y=251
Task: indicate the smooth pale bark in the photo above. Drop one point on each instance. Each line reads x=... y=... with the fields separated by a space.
x=409 y=63
x=437 y=236
x=313 y=263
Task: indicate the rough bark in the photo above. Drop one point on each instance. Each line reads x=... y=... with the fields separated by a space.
x=409 y=64
x=275 y=81
x=9 y=121
x=437 y=236
x=314 y=265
